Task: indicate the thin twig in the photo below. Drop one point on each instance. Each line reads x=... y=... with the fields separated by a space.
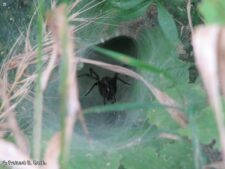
x=189 y=15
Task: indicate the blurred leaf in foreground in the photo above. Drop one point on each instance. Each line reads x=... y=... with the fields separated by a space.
x=213 y=11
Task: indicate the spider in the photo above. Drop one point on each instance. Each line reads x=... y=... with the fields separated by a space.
x=107 y=86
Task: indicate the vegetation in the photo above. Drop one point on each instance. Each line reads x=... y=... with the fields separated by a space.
x=166 y=115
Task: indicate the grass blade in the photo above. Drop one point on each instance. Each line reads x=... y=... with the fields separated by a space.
x=133 y=62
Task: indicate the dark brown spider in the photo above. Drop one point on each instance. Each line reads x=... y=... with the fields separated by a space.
x=107 y=86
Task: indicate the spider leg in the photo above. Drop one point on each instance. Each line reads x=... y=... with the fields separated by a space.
x=94 y=74
x=118 y=78
x=88 y=75
x=91 y=88
x=122 y=80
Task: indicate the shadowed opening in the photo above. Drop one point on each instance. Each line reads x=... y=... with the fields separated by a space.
x=123 y=94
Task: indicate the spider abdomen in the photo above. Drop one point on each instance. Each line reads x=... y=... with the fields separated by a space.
x=107 y=88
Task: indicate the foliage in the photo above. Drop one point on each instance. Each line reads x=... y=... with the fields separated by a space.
x=213 y=11
x=168 y=25
x=138 y=144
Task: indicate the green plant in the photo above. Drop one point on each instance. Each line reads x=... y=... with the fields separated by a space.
x=163 y=121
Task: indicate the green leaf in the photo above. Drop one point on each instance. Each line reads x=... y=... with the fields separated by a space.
x=168 y=25
x=162 y=119
x=201 y=118
x=140 y=158
x=213 y=11
x=94 y=160
x=206 y=126
x=126 y=4
x=155 y=48
x=177 y=155
x=130 y=9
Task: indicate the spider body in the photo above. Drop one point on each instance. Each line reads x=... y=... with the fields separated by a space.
x=107 y=86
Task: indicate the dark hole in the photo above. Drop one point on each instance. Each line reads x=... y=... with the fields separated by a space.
x=121 y=44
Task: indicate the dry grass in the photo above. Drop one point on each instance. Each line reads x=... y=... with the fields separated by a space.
x=208 y=43
x=58 y=49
